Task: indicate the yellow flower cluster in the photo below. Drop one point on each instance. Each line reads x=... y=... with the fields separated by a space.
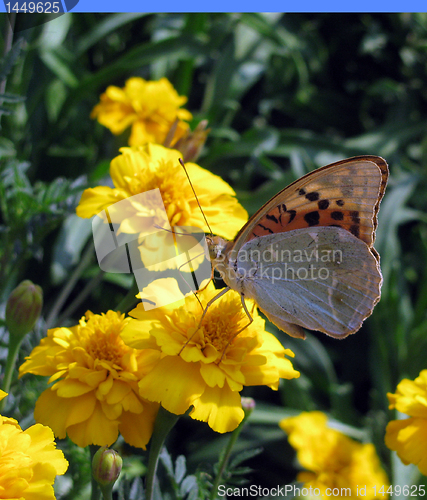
x=95 y=383
x=206 y=367
x=408 y=437
x=151 y=108
x=29 y=461
x=336 y=465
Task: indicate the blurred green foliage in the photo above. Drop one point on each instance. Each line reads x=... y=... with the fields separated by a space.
x=283 y=94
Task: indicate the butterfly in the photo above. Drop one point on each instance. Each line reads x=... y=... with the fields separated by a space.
x=306 y=257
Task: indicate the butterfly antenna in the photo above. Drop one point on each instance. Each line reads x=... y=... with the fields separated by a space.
x=197 y=199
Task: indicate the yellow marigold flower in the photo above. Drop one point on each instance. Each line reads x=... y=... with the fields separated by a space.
x=150 y=107
x=334 y=460
x=206 y=368
x=95 y=391
x=29 y=461
x=408 y=437
x=139 y=170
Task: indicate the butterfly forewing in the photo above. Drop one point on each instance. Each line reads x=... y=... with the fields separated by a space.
x=345 y=194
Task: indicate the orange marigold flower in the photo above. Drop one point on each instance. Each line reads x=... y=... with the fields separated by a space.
x=207 y=367
x=151 y=108
x=29 y=461
x=408 y=437
x=95 y=391
x=336 y=463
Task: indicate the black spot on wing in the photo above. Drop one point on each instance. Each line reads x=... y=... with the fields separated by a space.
x=292 y=214
x=340 y=203
x=312 y=218
x=272 y=217
x=337 y=215
x=266 y=228
x=323 y=204
x=354 y=230
x=314 y=196
x=302 y=192
x=354 y=214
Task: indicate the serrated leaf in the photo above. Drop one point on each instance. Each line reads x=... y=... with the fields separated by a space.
x=12 y=98
x=10 y=58
x=180 y=468
x=7 y=148
x=166 y=461
x=137 y=491
x=244 y=455
x=242 y=471
x=189 y=483
x=5 y=111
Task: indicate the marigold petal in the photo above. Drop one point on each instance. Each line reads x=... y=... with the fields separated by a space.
x=118 y=392
x=212 y=375
x=174 y=383
x=136 y=429
x=220 y=408
x=96 y=430
x=409 y=439
x=136 y=333
x=96 y=199
x=104 y=387
x=167 y=289
x=58 y=413
x=43 y=446
x=141 y=133
x=411 y=396
x=39 y=490
x=71 y=388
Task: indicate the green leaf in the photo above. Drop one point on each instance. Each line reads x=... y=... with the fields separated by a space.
x=107 y=26
x=11 y=58
x=11 y=98
x=180 y=469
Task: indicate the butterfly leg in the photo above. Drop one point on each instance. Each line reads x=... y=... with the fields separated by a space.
x=220 y=294
x=241 y=330
x=192 y=271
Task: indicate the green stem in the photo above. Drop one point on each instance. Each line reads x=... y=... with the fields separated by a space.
x=129 y=300
x=71 y=282
x=81 y=297
x=12 y=354
x=107 y=492
x=226 y=457
x=163 y=425
x=95 y=491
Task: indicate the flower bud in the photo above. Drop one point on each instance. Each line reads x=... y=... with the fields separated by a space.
x=23 y=308
x=106 y=466
x=248 y=405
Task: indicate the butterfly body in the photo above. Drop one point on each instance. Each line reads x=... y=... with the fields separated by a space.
x=306 y=257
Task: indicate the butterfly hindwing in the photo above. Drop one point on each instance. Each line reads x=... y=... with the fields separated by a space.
x=321 y=278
